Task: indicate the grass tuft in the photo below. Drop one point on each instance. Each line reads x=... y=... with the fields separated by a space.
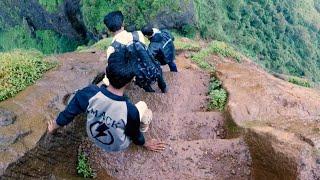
x=299 y=81
x=19 y=69
x=218 y=96
x=83 y=166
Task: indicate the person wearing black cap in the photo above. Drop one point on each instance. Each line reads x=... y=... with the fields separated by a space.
x=161 y=46
x=132 y=45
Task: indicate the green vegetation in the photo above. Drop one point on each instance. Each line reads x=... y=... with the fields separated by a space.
x=50 y=5
x=200 y=59
x=282 y=35
x=101 y=45
x=19 y=69
x=218 y=96
x=45 y=41
x=299 y=81
x=222 y=49
x=83 y=166
x=217 y=48
x=137 y=12
x=186 y=44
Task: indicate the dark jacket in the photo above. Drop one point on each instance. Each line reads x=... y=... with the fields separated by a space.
x=112 y=121
x=162 y=48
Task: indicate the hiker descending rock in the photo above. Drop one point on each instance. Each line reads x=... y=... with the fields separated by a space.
x=130 y=48
x=161 y=46
x=113 y=122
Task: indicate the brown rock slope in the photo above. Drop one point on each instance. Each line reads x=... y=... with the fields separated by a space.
x=195 y=150
x=281 y=120
x=39 y=103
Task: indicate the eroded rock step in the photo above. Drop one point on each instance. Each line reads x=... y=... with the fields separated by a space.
x=187 y=126
x=199 y=159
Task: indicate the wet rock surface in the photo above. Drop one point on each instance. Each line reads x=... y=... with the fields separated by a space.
x=40 y=103
x=54 y=157
x=280 y=120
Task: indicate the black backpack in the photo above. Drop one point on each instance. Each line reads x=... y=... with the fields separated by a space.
x=147 y=69
x=167 y=48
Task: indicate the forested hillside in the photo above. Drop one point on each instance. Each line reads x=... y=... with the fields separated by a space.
x=282 y=35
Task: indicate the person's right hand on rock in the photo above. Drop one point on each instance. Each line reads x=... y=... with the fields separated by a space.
x=52 y=126
x=155 y=145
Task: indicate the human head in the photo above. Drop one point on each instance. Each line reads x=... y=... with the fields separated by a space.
x=147 y=31
x=119 y=74
x=114 y=21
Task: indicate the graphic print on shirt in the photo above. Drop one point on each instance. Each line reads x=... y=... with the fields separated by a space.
x=103 y=130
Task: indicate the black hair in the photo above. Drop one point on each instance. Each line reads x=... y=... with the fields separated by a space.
x=119 y=74
x=147 y=30
x=114 y=21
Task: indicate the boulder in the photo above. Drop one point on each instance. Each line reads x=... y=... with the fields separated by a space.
x=280 y=120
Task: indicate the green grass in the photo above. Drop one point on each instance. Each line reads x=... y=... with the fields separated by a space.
x=185 y=44
x=225 y=50
x=215 y=48
x=100 y=45
x=218 y=96
x=200 y=59
x=19 y=69
x=83 y=167
x=299 y=81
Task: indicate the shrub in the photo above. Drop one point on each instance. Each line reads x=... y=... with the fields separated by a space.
x=50 y=5
x=83 y=166
x=299 y=81
x=188 y=30
x=218 y=96
x=19 y=69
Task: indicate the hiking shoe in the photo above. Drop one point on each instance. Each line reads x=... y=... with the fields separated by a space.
x=165 y=90
x=148 y=89
x=145 y=121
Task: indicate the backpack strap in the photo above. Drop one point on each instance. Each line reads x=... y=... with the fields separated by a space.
x=115 y=44
x=165 y=44
x=135 y=36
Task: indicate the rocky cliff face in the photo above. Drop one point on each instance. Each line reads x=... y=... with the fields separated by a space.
x=67 y=21
x=280 y=120
x=23 y=119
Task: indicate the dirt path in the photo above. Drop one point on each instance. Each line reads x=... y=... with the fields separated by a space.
x=196 y=148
